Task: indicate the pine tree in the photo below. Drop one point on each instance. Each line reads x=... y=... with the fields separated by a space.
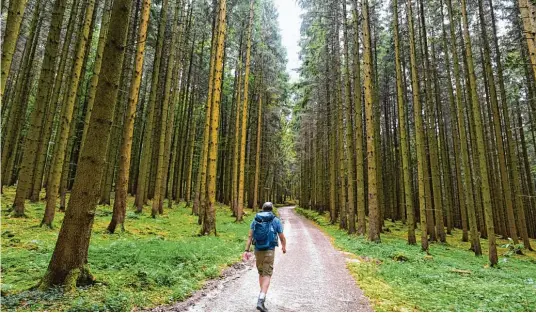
x=157 y=205
x=67 y=116
x=242 y=161
x=120 y=202
x=419 y=130
x=408 y=200
x=349 y=127
x=9 y=42
x=68 y=265
x=481 y=152
x=145 y=162
x=374 y=219
x=358 y=120
x=209 y=221
x=31 y=142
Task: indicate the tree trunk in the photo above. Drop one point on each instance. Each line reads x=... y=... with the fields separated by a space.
x=481 y=152
x=256 y=203
x=374 y=220
x=157 y=205
x=209 y=221
x=145 y=162
x=69 y=264
x=120 y=203
x=242 y=161
x=419 y=131
x=408 y=200
x=9 y=42
x=349 y=128
x=19 y=106
x=31 y=143
x=200 y=194
x=67 y=116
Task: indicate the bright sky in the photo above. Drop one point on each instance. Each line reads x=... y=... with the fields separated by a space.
x=290 y=23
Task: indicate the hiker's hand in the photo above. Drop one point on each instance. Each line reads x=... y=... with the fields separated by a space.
x=246 y=256
x=284 y=249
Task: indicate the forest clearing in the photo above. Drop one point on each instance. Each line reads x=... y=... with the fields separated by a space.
x=144 y=141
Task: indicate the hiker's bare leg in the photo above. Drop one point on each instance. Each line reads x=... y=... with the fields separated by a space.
x=264 y=282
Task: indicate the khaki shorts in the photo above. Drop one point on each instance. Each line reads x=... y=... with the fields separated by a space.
x=265 y=262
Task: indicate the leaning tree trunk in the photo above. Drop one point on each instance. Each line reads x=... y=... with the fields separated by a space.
x=455 y=119
x=66 y=118
x=9 y=42
x=14 y=126
x=529 y=24
x=56 y=100
x=481 y=151
x=31 y=143
x=69 y=265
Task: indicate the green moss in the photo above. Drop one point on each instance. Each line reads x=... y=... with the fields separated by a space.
x=399 y=277
x=154 y=262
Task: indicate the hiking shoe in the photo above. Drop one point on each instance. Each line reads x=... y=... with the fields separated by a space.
x=260 y=306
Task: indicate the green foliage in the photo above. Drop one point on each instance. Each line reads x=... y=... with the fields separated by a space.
x=513 y=248
x=155 y=261
x=400 y=277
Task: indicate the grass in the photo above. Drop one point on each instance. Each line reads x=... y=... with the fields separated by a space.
x=399 y=277
x=154 y=262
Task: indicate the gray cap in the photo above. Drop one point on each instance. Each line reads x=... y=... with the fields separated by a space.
x=267 y=206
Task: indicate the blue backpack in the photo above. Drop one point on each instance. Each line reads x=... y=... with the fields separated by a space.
x=264 y=235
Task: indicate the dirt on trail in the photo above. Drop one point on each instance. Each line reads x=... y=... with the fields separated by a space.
x=311 y=276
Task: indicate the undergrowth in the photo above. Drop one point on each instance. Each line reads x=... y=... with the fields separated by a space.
x=154 y=262
x=399 y=277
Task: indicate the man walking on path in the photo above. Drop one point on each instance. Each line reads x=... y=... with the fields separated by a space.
x=264 y=230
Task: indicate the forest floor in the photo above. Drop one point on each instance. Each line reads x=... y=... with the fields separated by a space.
x=154 y=262
x=398 y=277
x=162 y=261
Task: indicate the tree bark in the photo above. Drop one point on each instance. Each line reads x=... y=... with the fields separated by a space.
x=69 y=264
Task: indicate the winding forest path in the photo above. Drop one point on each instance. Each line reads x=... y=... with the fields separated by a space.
x=311 y=276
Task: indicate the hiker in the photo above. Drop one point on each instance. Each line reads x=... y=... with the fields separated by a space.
x=264 y=230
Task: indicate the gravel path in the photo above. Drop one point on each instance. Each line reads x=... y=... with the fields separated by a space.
x=311 y=276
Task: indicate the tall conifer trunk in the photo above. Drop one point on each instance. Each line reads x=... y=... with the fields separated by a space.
x=408 y=200
x=148 y=147
x=242 y=161
x=67 y=116
x=9 y=42
x=69 y=263
x=120 y=203
x=31 y=143
x=374 y=218
x=209 y=221
x=481 y=151
x=419 y=131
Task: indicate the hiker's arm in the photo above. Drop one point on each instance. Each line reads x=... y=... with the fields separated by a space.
x=283 y=242
x=248 y=243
